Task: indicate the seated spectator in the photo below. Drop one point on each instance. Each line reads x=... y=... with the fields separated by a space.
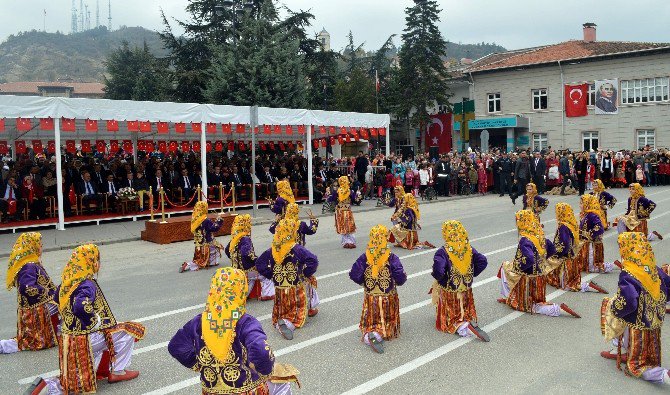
x=11 y=204
x=34 y=195
x=89 y=193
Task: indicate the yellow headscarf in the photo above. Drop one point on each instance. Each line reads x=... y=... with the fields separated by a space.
x=284 y=191
x=344 y=191
x=639 y=261
x=398 y=192
x=378 y=252
x=241 y=228
x=27 y=249
x=286 y=236
x=410 y=202
x=637 y=190
x=566 y=216
x=226 y=304
x=83 y=265
x=530 y=228
x=457 y=245
x=199 y=215
x=533 y=189
x=598 y=186
x=590 y=204
x=292 y=211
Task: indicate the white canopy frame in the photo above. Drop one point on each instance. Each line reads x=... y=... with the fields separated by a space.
x=126 y=110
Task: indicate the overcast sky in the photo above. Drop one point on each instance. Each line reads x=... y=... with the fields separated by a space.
x=510 y=23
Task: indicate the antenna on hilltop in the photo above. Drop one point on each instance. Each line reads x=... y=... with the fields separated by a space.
x=88 y=17
x=74 y=17
x=82 y=25
x=109 y=15
x=97 y=13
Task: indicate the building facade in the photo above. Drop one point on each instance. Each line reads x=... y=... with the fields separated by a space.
x=88 y=90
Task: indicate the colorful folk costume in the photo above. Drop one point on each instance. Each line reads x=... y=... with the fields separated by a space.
x=532 y=201
x=638 y=213
x=293 y=211
x=633 y=318
x=225 y=344
x=567 y=275
x=605 y=199
x=93 y=344
x=379 y=272
x=241 y=252
x=396 y=202
x=207 y=248
x=523 y=280
x=405 y=232
x=344 y=217
x=591 y=229
x=454 y=268
x=37 y=314
x=290 y=266
x=284 y=198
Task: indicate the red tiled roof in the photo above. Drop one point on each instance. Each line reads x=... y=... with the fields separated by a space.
x=569 y=50
x=81 y=88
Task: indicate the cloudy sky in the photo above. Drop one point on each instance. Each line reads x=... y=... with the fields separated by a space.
x=510 y=23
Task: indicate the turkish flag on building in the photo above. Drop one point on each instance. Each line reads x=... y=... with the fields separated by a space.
x=67 y=125
x=364 y=133
x=180 y=127
x=37 y=147
x=100 y=146
x=315 y=143
x=272 y=145
x=322 y=130
x=162 y=127
x=263 y=146
x=576 y=97
x=290 y=145
x=241 y=146
x=113 y=146
x=382 y=131
x=91 y=125
x=301 y=129
x=51 y=147
x=348 y=138
x=373 y=132
x=282 y=146
x=145 y=127
x=209 y=146
x=340 y=139
x=267 y=129
x=3 y=148
x=47 y=124
x=231 y=146
x=85 y=145
x=324 y=143
x=23 y=125
x=141 y=145
x=438 y=132
x=112 y=125
x=70 y=146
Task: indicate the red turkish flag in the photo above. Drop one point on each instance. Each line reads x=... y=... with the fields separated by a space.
x=227 y=128
x=47 y=124
x=211 y=128
x=162 y=146
x=128 y=146
x=100 y=146
x=3 y=148
x=315 y=143
x=133 y=126
x=289 y=129
x=331 y=130
x=272 y=145
x=173 y=147
x=141 y=145
x=67 y=125
x=277 y=129
x=196 y=127
x=322 y=130
x=301 y=129
x=180 y=127
x=382 y=131
x=70 y=146
x=438 y=132
x=263 y=146
x=145 y=127
x=324 y=143
x=91 y=125
x=218 y=146
x=364 y=133
x=85 y=145
x=23 y=125
x=356 y=137
x=290 y=145
x=51 y=147
x=241 y=146
x=343 y=130
x=240 y=128
x=576 y=97
x=113 y=146
x=2 y=124
x=149 y=147
x=332 y=141
x=348 y=138
x=267 y=129
x=374 y=132
x=162 y=127
x=185 y=146
x=37 y=147
x=196 y=146
x=231 y=146
x=112 y=125
x=282 y=146
x=340 y=139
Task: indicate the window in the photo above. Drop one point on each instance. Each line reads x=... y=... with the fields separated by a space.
x=592 y=95
x=590 y=141
x=494 y=102
x=539 y=99
x=646 y=90
x=646 y=137
x=540 y=141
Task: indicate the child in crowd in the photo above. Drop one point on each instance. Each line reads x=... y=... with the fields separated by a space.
x=482 y=179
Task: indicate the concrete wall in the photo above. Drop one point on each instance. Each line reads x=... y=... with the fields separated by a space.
x=614 y=131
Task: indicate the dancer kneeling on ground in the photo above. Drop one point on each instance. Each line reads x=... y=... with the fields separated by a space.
x=523 y=280
x=93 y=344
x=37 y=313
x=633 y=318
x=207 y=248
x=605 y=199
x=405 y=232
x=454 y=268
x=290 y=266
x=293 y=212
x=344 y=217
x=568 y=275
x=241 y=252
x=592 y=253
x=379 y=272
x=225 y=344
x=638 y=213
x=396 y=202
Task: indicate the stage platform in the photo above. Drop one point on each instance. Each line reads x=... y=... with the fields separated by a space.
x=177 y=229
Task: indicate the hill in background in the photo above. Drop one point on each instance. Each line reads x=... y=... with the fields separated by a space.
x=40 y=56
x=458 y=51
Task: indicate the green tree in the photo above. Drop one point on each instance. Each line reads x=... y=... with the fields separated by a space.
x=135 y=74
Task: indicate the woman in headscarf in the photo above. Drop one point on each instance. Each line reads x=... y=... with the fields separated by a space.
x=379 y=272
x=284 y=198
x=289 y=265
x=344 y=217
x=93 y=344
x=405 y=233
x=605 y=199
x=567 y=275
x=523 y=280
x=638 y=213
x=532 y=201
x=37 y=314
x=396 y=202
x=454 y=268
x=591 y=229
x=207 y=248
x=224 y=343
x=633 y=318
x=241 y=252
x=293 y=212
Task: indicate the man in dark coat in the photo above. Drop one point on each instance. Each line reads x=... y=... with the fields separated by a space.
x=538 y=169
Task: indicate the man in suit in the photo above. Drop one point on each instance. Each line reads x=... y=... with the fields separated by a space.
x=111 y=188
x=90 y=193
x=538 y=169
x=505 y=167
x=564 y=170
x=10 y=194
x=443 y=168
x=521 y=174
x=241 y=183
x=580 y=171
x=99 y=176
x=268 y=184
x=129 y=181
x=186 y=184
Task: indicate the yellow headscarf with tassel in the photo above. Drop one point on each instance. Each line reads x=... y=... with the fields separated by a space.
x=292 y=211
x=566 y=216
x=27 y=249
x=410 y=202
x=199 y=215
x=284 y=191
x=530 y=228
x=83 y=265
x=286 y=236
x=590 y=204
x=639 y=261
x=241 y=228
x=636 y=190
x=226 y=304
x=457 y=245
x=343 y=191
x=378 y=252
x=598 y=186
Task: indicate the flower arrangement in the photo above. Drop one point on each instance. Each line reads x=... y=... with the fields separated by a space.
x=127 y=193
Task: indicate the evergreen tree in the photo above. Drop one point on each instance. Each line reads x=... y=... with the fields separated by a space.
x=135 y=74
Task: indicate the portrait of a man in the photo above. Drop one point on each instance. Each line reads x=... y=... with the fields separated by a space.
x=606 y=97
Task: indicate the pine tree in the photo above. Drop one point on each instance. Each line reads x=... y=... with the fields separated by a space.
x=135 y=74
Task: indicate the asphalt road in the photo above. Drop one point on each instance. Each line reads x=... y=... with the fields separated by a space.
x=527 y=354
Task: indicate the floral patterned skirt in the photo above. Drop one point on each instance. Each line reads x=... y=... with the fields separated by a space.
x=567 y=276
x=527 y=292
x=644 y=350
x=381 y=314
x=344 y=221
x=35 y=330
x=453 y=309
x=290 y=304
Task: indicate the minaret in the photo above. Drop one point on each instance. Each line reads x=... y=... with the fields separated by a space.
x=74 y=17
x=109 y=15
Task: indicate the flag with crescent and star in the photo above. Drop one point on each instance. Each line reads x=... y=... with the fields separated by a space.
x=438 y=132
x=576 y=98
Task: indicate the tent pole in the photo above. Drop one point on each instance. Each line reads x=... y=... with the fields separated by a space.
x=254 y=124
x=59 y=176
x=388 y=139
x=308 y=149
x=133 y=136
x=203 y=159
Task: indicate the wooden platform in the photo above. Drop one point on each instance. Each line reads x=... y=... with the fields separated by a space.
x=177 y=229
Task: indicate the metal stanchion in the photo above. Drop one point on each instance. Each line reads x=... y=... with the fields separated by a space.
x=151 y=203
x=199 y=192
x=162 y=193
x=221 y=196
x=233 y=193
